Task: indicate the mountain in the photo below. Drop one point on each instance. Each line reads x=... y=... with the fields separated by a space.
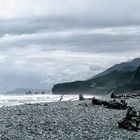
x=99 y=85
x=121 y=76
x=128 y=83
x=125 y=66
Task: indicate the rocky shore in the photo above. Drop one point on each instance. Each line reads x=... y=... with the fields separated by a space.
x=69 y=120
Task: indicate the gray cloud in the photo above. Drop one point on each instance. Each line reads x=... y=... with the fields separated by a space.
x=58 y=41
x=96 y=40
x=39 y=24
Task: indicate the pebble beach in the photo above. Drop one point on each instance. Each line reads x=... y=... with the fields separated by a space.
x=66 y=120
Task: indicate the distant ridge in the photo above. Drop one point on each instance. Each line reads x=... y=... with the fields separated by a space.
x=21 y=91
x=116 y=77
x=125 y=66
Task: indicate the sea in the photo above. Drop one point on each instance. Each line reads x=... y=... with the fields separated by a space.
x=11 y=100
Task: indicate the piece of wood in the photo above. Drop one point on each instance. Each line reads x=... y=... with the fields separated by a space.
x=61 y=98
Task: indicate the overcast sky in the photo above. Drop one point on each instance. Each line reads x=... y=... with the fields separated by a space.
x=44 y=42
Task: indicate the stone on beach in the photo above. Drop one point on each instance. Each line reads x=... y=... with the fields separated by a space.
x=72 y=120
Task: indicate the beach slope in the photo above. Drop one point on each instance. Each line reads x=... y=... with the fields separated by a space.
x=69 y=120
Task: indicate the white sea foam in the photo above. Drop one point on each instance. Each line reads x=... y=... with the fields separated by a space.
x=9 y=100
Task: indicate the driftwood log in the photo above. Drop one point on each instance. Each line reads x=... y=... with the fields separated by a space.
x=81 y=97
x=61 y=98
x=110 y=104
x=131 y=120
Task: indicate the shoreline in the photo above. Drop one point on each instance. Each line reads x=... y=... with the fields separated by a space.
x=67 y=120
x=11 y=100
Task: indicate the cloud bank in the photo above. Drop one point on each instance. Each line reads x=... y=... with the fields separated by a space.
x=44 y=42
